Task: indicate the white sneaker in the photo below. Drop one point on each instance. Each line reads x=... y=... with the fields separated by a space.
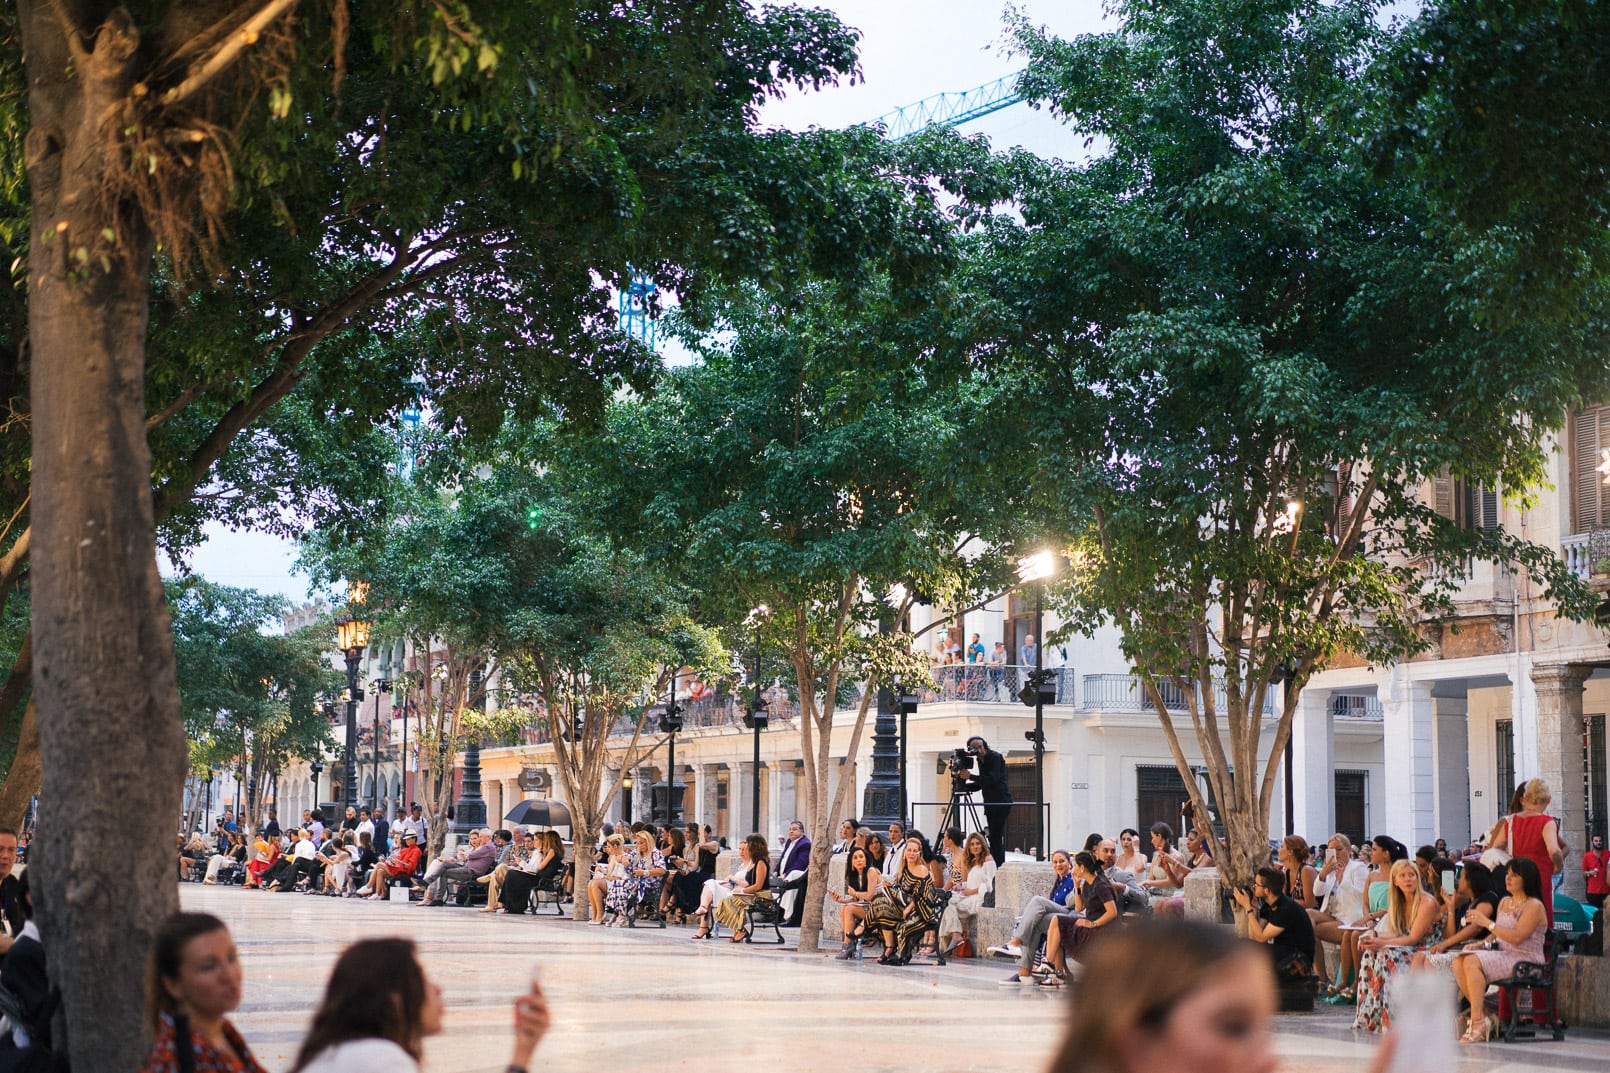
x=1006 y=950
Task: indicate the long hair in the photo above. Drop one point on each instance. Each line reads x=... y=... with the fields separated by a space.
x=1160 y=964
x=376 y=991
x=676 y=841
x=759 y=854
x=1400 y=907
x=857 y=879
x=167 y=955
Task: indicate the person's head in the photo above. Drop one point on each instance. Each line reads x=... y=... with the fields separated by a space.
x=1442 y=847
x=953 y=838
x=1061 y=863
x=1162 y=836
x=974 y=850
x=796 y=830
x=755 y=849
x=377 y=991
x=1403 y=896
x=977 y=745
x=365 y=840
x=878 y=846
x=914 y=853
x=503 y=836
x=1106 y=852
x=352 y=813
x=615 y=844
x=553 y=843
x=410 y=838
x=416 y=809
x=317 y=816
x=1128 y=840
x=348 y=839
x=1384 y=849
x=1475 y=879
x=1092 y=840
x=1028 y=639
x=1193 y=997
x=1536 y=794
x=1294 y=851
x=645 y=843
x=1524 y=878
x=846 y=830
x=859 y=860
x=363 y=813
x=194 y=969
x=1341 y=846
x=897 y=833
x=674 y=842
x=1596 y=843
x=1085 y=868
x=1268 y=884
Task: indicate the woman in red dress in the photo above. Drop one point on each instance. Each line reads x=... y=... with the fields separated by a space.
x=1535 y=835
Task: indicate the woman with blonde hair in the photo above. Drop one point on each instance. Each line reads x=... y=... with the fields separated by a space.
x=974 y=869
x=604 y=875
x=904 y=908
x=1533 y=834
x=1413 y=922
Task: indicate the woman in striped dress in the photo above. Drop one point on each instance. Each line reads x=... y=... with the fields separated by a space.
x=905 y=906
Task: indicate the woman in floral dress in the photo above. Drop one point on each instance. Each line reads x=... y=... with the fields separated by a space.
x=1412 y=922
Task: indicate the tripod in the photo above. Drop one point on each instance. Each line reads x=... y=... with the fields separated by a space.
x=961 y=812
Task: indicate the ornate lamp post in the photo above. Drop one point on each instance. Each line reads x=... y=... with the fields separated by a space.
x=1037 y=568
x=352 y=637
x=756 y=714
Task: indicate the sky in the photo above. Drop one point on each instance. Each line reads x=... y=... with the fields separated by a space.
x=910 y=49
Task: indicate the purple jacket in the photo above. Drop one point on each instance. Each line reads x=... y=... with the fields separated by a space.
x=482 y=858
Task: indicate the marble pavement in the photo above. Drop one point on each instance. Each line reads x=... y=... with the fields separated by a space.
x=630 y=1000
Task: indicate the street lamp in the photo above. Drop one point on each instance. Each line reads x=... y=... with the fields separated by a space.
x=379 y=685
x=626 y=798
x=352 y=637
x=1037 y=568
x=757 y=715
x=670 y=723
x=315 y=767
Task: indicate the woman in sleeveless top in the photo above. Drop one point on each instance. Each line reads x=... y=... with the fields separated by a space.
x=1412 y=922
x=733 y=911
x=904 y=908
x=1533 y=834
x=1517 y=935
x=1384 y=851
x=861 y=883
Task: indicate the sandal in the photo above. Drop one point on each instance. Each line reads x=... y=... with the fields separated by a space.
x=739 y=936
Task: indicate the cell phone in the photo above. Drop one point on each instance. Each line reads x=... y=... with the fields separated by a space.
x=1450 y=883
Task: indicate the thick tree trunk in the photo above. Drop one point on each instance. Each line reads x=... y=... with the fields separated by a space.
x=112 y=744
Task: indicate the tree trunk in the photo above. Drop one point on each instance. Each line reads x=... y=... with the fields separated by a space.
x=111 y=741
x=22 y=781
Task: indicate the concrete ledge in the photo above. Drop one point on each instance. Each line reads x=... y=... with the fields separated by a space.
x=1015 y=883
x=1203 y=899
x=1584 y=991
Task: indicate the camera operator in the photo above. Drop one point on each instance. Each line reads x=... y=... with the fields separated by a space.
x=988 y=774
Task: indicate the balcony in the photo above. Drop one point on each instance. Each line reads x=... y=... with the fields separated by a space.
x=1123 y=693
x=980 y=683
x=1356 y=706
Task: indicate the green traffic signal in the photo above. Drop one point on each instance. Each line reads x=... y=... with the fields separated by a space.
x=533 y=518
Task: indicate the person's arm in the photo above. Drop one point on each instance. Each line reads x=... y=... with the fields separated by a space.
x=874 y=883
x=1531 y=918
x=1107 y=917
x=1551 y=841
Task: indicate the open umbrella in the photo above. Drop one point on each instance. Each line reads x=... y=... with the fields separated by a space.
x=540 y=812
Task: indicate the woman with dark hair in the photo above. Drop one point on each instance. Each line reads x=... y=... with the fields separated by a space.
x=192 y=981
x=1293 y=856
x=379 y=1007
x=1071 y=936
x=861 y=882
x=1517 y=935
x=686 y=886
x=879 y=849
x=540 y=870
x=1130 y=858
x=1475 y=890
x=904 y=908
x=733 y=911
x=1165 y=880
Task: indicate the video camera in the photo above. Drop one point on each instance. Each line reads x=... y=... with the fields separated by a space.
x=962 y=762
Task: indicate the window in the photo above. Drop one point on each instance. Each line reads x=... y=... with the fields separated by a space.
x=1589 y=433
x=1351 y=804
x=1019 y=624
x=1470 y=506
x=1593 y=757
x=1504 y=750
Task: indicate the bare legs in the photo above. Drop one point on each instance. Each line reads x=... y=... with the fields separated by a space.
x=1472 y=981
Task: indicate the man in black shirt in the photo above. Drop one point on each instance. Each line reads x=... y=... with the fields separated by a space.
x=989 y=775
x=1280 y=922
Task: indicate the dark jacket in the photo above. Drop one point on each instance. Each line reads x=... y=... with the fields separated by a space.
x=990 y=778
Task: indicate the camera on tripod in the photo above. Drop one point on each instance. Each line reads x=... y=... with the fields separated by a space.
x=962 y=762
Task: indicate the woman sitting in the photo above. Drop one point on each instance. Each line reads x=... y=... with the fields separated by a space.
x=232 y=851
x=1165 y=880
x=1339 y=886
x=973 y=874
x=1517 y=935
x=379 y=1007
x=674 y=844
x=904 y=907
x=1292 y=856
x=1475 y=890
x=1384 y=852
x=608 y=874
x=1070 y=936
x=340 y=864
x=645 y=874
x=367 y=858
x=699 y=852
x=265 y=854
x=400 y=865
x=861 y=882
x=521 y=846
x=733 y=911
x=540 y=871
x=191 y=856
x=1412 y=922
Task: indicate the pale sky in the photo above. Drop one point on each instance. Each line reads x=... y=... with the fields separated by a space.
x=909 y=50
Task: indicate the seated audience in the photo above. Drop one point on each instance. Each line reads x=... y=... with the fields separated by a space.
x=519 y=853
x=540 y=871
x=1411 y=924
x=400 y=866
x=904 y=907
x=861 y=882
x=1033 y=922
x=1165 y=880
x=1517 y=935
x=1095 y=909
x=733 y=911
x=972 y=875
x=1340 y=889
x=1277 y=920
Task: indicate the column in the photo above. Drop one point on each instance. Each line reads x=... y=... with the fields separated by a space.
x=1451 y=755
x=702 y=788
x=1559 y=757
x=1313 y=750
x=739 y=807
x=1410 y=775
x=1523 y=710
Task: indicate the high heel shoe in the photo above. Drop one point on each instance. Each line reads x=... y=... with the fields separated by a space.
x=847 y=951
x=1480 y=1031
x=702 y=933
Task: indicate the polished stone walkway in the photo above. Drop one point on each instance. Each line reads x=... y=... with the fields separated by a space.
x=649 y=1000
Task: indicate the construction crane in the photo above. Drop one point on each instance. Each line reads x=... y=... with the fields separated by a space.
x=942 y=110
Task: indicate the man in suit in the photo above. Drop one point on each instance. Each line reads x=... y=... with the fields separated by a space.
x=793 y=864
x=12 y=914
x=382 y=835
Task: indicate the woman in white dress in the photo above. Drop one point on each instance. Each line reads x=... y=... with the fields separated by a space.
x=379 y=1007
x=974 y=872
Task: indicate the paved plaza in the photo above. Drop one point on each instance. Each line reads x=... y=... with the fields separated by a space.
x=653 y=1001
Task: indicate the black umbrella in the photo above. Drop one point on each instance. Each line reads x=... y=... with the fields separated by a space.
x=540 y=812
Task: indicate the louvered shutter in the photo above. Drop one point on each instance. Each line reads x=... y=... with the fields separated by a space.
x=1442 y=494
x=1590 y=435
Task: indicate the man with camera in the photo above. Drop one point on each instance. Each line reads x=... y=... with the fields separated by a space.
x=986 y=772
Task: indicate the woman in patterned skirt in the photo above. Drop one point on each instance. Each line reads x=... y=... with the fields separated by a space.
x=1412 y=922
x=733 y=910
x=905 y=906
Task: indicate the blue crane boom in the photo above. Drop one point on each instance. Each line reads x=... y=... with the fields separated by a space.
x=952 y=109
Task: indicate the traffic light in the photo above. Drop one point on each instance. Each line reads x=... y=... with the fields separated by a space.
x=671 y=719
x=533 y=518
x=756 y=714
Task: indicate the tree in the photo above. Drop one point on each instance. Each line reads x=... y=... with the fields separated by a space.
x=155 y=126
x=786 y=470
x=1246 y=355
x=247 y=695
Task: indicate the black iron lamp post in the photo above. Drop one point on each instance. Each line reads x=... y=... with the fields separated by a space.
x=379 y=685
x=352 y=637
x=1037 y=568
x=315 y=768
x=756 y=716
x=626 y=798
x=670 y=724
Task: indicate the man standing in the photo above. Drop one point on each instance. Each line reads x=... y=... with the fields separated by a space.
x=975 y=650
x=473 y=864
x=382 y=835
x=1280 y=922
x=793 y=866
x=12 y=914
x=271 y=825
x=1028 y=653
x=1596 y=869
x=989 y=775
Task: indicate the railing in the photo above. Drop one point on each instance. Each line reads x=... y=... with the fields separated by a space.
x=982 y=683
x=1125 y=693
x=1356 y=706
